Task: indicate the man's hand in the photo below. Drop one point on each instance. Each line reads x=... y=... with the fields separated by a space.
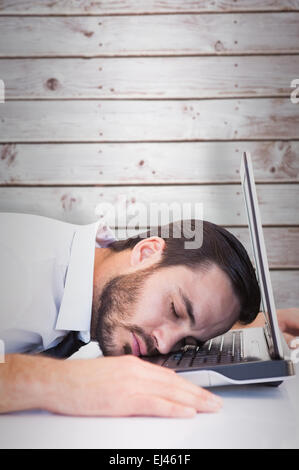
x=107 y=386
x=128 y=386
x=288 y=321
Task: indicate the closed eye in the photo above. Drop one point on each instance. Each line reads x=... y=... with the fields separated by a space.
x=174 y=310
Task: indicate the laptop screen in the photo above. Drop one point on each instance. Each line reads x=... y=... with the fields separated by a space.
x=260 y=257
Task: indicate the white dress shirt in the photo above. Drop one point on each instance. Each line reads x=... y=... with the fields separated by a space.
x=46 y=281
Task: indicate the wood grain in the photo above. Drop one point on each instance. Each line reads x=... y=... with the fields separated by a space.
x=132 y=7
x=218 y=75
x=116 y=121
x=285 y=288
x=150 y=78
x=222 y=204
x=150 y=163
x=169 y=35
x=282 y=245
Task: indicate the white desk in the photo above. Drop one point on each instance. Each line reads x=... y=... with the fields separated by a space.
x=252 y=417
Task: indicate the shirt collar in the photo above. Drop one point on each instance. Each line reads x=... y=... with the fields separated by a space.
x=76 y=306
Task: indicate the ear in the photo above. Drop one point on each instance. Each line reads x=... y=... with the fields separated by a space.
x=147 y=251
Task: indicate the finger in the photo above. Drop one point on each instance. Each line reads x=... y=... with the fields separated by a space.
x=178 y=380
x=145 y=405
x=173 y=379
x=155 y=367
x=200 y=399
x=290 y=321
x=141 y=367
x=289 y=339
x=201 y=402
x=154 y=370
x=294 y=343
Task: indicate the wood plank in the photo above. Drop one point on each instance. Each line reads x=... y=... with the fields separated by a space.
x=282 y=244
x=285 y=288
x=112 y=7
x=250 y=33
x=150 y=163
x=167 y=77
x=222 y=204
x=123 y=121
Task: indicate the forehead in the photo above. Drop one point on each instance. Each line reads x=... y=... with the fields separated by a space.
x=209 y=290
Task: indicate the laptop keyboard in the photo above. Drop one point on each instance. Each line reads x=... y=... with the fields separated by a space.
x=224 y=349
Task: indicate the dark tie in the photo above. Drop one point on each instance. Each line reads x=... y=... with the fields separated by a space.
x=70 y=344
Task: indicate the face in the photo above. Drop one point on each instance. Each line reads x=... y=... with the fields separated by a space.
x=154 y=311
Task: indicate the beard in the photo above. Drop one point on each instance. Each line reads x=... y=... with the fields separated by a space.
x=116 y=308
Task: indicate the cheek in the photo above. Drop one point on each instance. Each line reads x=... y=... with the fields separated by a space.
x=150 y=311
x=152 y=304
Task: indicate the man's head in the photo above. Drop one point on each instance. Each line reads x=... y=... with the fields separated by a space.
x=169 y=295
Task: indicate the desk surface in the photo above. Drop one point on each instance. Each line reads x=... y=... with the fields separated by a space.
x=252 y=417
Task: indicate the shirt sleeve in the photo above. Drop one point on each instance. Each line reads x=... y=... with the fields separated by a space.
x=34 y=255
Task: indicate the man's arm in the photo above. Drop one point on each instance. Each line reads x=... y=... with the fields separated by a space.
x=288 y=321
x=107 y=386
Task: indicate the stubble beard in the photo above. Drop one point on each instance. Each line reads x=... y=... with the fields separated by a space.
x=116 y=308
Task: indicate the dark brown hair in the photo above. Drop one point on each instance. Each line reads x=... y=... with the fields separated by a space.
x=218 y=247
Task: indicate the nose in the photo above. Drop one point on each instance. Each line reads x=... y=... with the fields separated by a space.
x=168 y=336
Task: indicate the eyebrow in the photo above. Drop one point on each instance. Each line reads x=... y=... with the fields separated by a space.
x=188 y=307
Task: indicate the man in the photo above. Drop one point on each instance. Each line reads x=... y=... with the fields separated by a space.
x=64 y=285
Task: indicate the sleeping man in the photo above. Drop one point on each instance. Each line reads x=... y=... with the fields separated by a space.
x=71 y=291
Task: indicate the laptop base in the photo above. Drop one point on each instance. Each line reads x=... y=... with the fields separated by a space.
x=252 y=365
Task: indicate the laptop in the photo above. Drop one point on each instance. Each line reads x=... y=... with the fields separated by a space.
x=244 y=356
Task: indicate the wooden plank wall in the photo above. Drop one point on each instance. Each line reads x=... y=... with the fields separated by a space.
x=155 y=101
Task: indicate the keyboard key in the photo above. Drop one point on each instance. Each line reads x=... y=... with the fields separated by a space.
x=197 y=361
x=185 y=361
x=173 y=360
x=224 y=349
x=225 y=359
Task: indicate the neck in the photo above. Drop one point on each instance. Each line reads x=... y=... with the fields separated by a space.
x=107 y=265
x=100 y=277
